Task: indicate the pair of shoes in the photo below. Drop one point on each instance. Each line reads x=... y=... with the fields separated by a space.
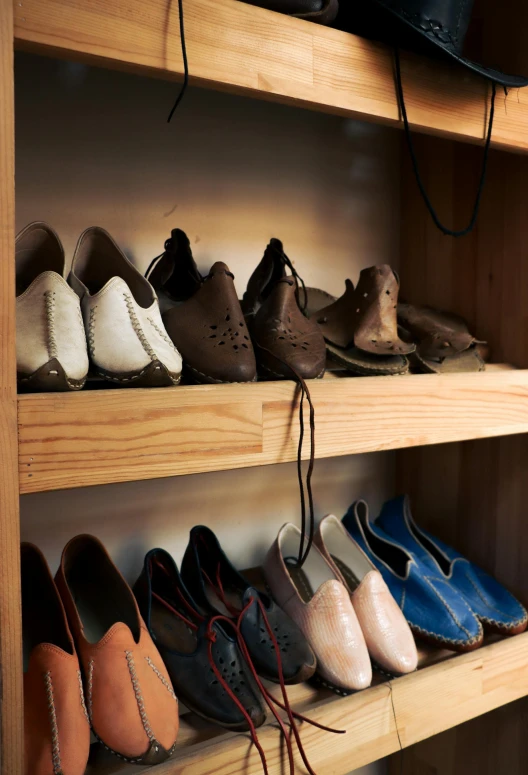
x=447 y=600
x=342 y=605
x=228 y=633
x=209 y=326
x=220 y=636
x=89 y=662
x=108 y=315
x=360 y=328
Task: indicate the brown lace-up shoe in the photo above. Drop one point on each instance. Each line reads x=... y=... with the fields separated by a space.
x=285 y=340
x=203 y=316
x=131 y=704
x=56 y=727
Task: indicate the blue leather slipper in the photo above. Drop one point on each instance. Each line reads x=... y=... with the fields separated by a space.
x=435 y=611
x=497 y=609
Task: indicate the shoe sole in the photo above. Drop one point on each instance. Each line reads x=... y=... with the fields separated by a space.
x=153 y=375
x=460 y=648
x=156 y=753
x=49 y=378
x=235 y=727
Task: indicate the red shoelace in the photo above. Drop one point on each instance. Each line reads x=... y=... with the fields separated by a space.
x=235 y=623
x=271 y=701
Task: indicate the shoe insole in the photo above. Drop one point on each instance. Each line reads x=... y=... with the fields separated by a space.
x=315 y=570
x=171 y=631
x=352 y=581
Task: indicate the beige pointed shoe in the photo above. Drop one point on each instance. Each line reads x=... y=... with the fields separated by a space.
x=317 y=600
x=388 y=636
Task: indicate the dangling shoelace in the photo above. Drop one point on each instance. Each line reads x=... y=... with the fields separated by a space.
x=185 y=83
x=423 y=192
x=306 y=538
x=271 y=701
x=296 y=276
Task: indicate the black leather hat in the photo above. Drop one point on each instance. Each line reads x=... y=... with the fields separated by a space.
x=427 y=26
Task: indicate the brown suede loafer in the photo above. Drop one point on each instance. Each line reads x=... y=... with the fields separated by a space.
x=56 y=727
x=129 y=697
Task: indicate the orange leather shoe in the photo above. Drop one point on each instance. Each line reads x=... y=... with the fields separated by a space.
x=131 y=704
x=56 y=728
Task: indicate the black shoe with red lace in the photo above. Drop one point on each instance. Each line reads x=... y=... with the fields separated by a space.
x=219 y=589
x=207 y=669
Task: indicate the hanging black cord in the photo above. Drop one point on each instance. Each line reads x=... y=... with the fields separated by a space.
x=152 y=263
x=185 y=62
x=432 y=211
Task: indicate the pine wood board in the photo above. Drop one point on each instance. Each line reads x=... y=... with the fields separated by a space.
x=11 y=727
x=102 y=436
x=408 y=709
x=243 y=49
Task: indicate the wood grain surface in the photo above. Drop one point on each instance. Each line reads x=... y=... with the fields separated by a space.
x=407 y=709
x=11 y=729
x=243 y=49
x=472 y=495
x=97 y=437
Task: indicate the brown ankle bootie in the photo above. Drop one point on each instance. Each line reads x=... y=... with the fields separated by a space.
x=129 y=697
x=56 y=727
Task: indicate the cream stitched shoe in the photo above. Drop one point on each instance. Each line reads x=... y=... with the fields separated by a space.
x=127 y=341
x=50 y=340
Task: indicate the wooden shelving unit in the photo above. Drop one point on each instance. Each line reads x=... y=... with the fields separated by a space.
x=246 y=50
x=103 y=436
x=445 y=691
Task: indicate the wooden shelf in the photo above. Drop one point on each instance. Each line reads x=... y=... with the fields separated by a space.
x=247 y=50
x=102 y=436
x=447 y=690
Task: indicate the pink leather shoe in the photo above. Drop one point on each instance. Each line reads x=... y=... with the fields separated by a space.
x=388 y=636
x=320 y=604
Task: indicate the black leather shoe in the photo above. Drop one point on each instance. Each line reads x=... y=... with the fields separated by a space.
x=219 y=588
x=191 y=646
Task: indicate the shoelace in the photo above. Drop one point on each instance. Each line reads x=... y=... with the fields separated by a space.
x=185 y=83
x=296 y=276
x=305 y=393
x=270 y=700
x=423 y=192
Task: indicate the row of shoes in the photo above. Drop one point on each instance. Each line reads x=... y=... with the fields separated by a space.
x=109 y=321
x=101 y=656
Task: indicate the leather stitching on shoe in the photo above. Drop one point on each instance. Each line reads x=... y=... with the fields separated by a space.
x=90 y=688
x=139 y=696
x=503 y=625
x=489 y=605
x=439 y=639
x=446 y=604
x=55 y=749
x=163 y=680
x=162 y=334
x=137 y=328
x=49 y=300
x=91 y=334
x=83 y=703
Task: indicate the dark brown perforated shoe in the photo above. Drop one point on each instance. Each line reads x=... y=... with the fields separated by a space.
x=203 y=316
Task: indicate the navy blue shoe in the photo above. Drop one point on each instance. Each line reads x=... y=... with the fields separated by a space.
x=496 y=608
x=435 y=611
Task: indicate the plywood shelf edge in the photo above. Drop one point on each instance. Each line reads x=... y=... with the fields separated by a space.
x=103 y=436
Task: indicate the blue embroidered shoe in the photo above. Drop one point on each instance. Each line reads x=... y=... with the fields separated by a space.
x=496 y=608
x=435 y=611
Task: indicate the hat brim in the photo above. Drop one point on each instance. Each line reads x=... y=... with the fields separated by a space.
x=498 y=77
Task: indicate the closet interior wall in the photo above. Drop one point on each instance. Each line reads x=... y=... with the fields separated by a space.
x=93 y=148
x=473 y=494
